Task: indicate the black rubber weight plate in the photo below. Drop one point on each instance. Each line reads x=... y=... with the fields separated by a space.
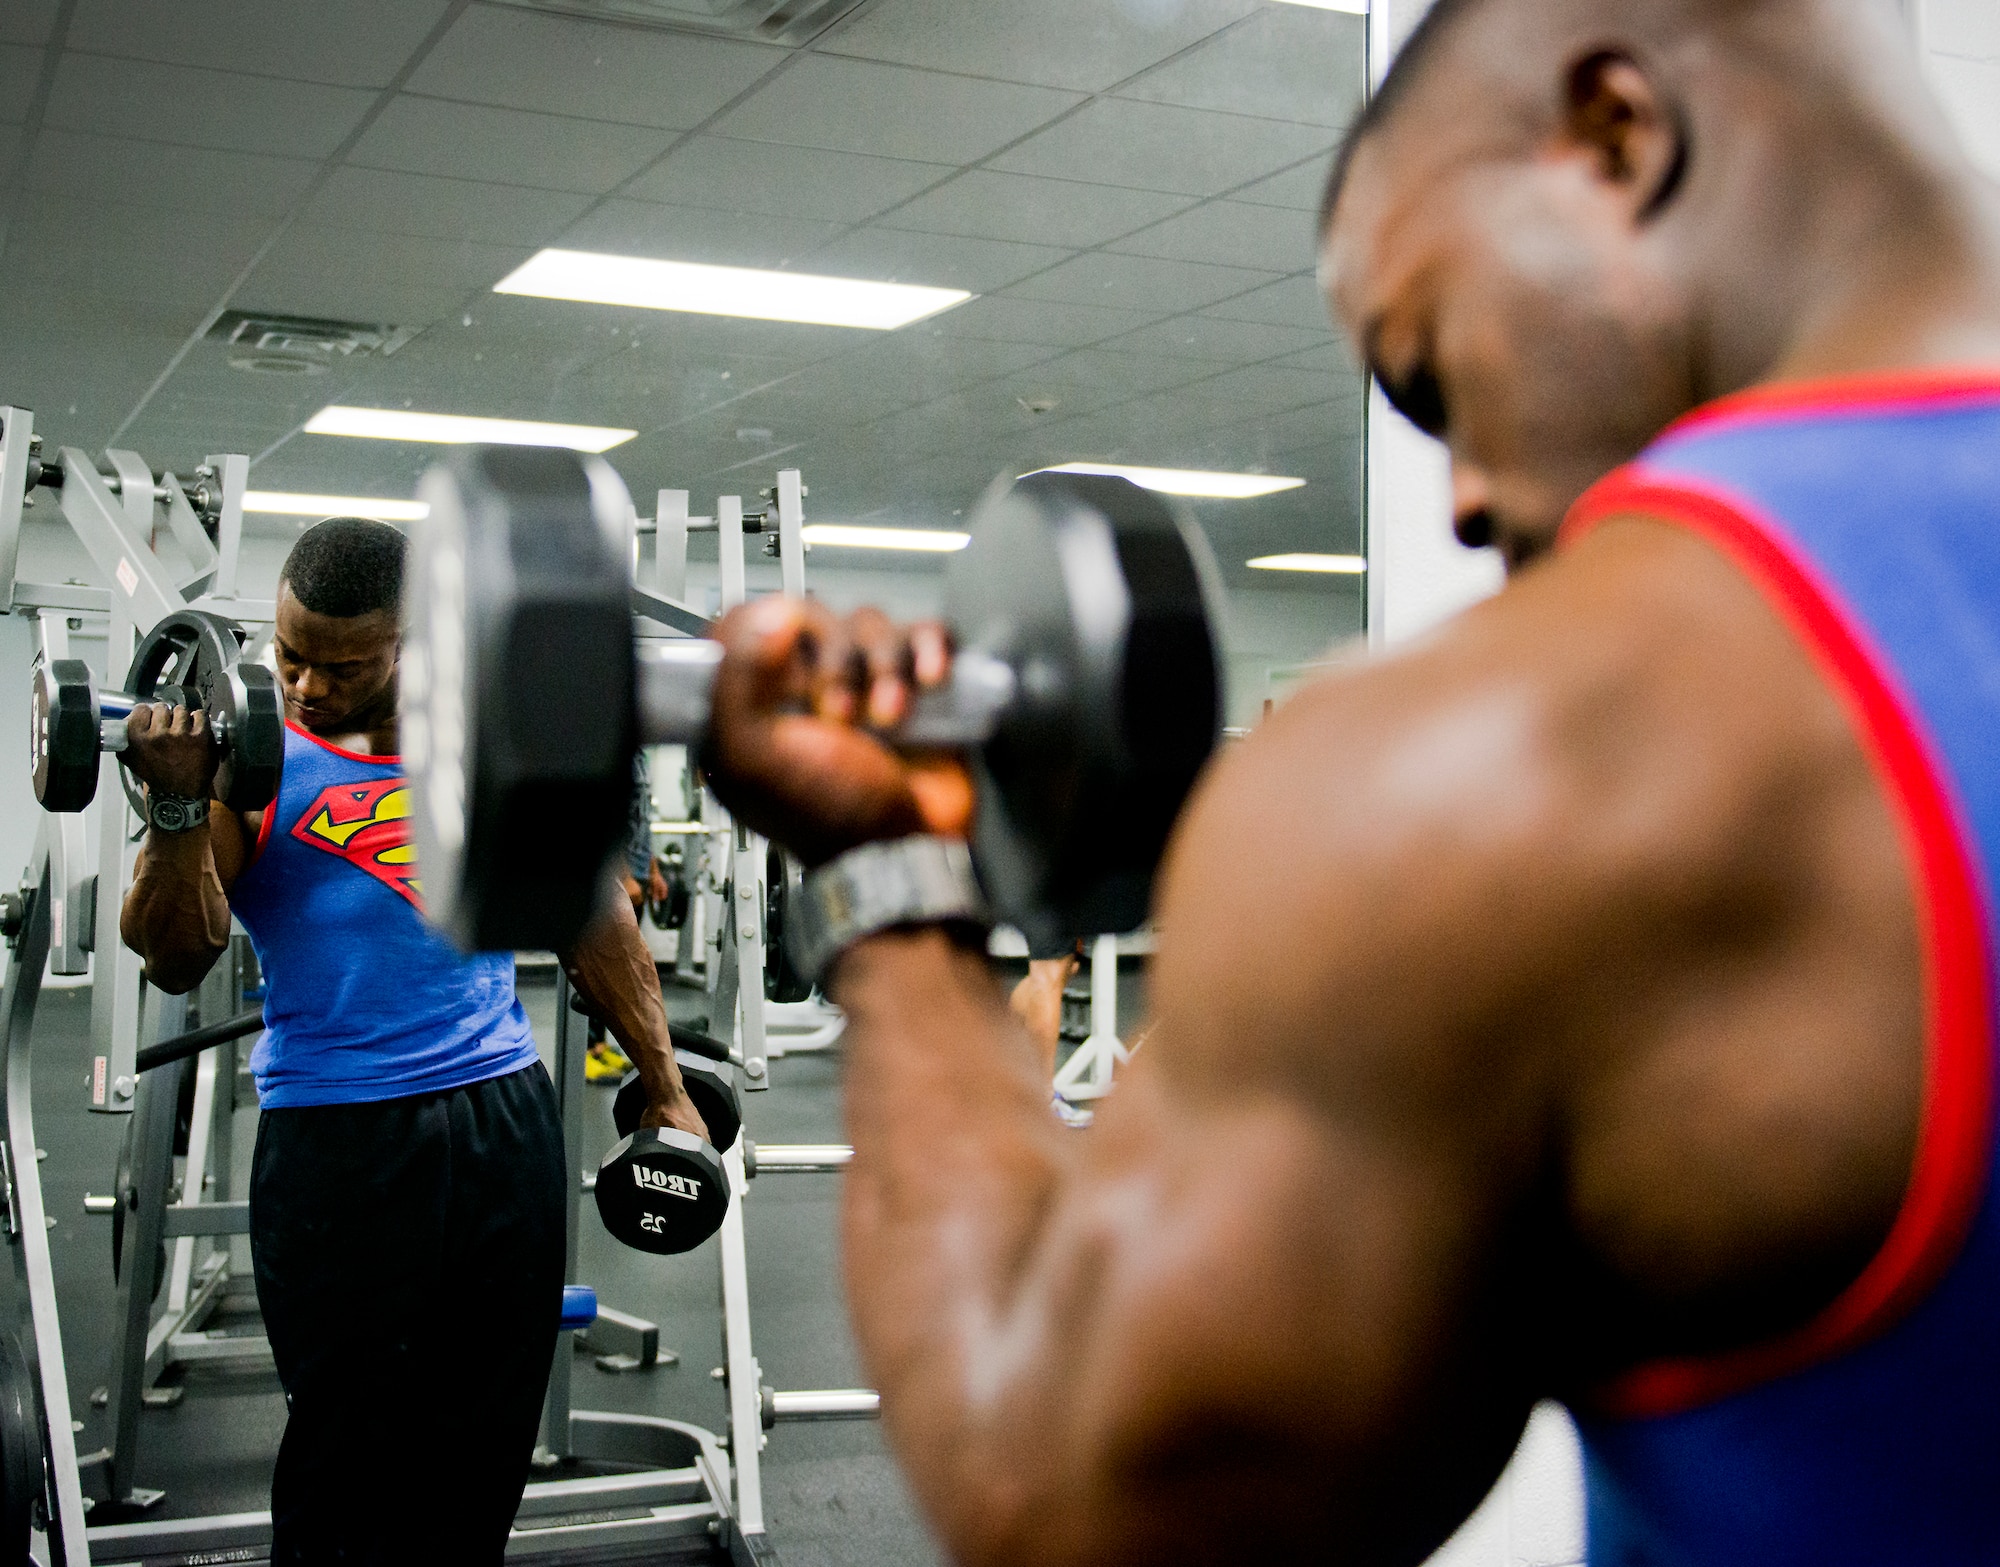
x=20 y=1453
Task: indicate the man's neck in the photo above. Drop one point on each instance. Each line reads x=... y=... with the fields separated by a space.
x=371 y=730
x=1909 y=279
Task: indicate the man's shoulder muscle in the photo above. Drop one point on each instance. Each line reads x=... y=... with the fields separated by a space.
x=1587 y=883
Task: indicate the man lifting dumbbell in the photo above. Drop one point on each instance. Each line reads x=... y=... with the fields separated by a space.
x=407 y=1193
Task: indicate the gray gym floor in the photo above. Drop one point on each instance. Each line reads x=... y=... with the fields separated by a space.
x=833 y=1496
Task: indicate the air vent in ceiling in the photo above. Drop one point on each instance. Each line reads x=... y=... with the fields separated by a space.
x=791 y=22
x=301 y=345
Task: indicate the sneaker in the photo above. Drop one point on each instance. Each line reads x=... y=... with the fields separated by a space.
x=1069 y=1114
x=604 y=1062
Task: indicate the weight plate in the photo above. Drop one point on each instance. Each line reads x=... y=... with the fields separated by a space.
x=63 y=741
x=518 y=725
x=662 y=1191
x=782 y=980
x=22 y=1481
x=1103 y=598
x=182 y=661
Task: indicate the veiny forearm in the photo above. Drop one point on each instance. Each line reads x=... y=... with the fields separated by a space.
x=176 y=916
x=613 y=971
x=968 y=1275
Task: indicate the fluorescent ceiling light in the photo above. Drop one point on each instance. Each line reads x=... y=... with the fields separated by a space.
x=1184 y=481
x=398 y=424
x=278 y=503
x=1356 y=7
x=1340 y=565
x=932 y=540
x=726 y=291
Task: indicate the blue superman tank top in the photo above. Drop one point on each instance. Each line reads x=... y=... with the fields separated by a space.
x=1867 y=511
x=364 y=1001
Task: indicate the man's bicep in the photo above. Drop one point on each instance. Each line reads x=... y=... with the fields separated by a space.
x=1301 y=1344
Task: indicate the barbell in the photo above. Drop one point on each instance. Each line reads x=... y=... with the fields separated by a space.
x=192 y=659
x=1085 y=693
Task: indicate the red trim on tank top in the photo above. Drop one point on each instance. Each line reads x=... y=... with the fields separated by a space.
x=352 y=756
x=1955 y=1132
x=1884 y=391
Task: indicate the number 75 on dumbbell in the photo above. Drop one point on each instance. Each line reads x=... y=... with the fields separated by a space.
x=1086 y=693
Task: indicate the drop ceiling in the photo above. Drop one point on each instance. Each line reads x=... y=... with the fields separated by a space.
x=1127 y=185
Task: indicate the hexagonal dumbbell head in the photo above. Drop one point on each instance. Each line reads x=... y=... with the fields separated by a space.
x=517 y=673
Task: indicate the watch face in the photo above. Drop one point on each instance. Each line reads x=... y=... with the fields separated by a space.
x=170 y=815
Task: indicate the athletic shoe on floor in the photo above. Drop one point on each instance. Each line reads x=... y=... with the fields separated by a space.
x=604 y=1062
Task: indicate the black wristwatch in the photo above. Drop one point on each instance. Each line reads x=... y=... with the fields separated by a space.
x=174 y=812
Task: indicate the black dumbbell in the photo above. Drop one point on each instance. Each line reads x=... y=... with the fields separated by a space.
x=1086 y=693
x=665 y=1191
x=190 y=659
x=662 y=1191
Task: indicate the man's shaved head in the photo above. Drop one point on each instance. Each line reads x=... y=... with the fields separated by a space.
x=1561 y=223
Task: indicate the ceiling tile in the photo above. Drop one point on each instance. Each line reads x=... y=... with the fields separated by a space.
x=1093 y=378
x=506 y=146
x=735 y=239
x=1287 y=62
x=1087 y=45
x=354 y=43
x=857 y=106
x=20 y=67
x=1229 y=234
x=982 y=266
x=990 y=205
x=1299 y=188
x=1139 y=282
x=156 y=175
x=1224 y=342
x=27 y=21
x=1151 y=146
x=383 y=201
x=521 y=59
x=1037 y=321
x=1257 y=389
x=399 y=278
x=1333 y=355
x=1296 y=301
x=802 y=182
x=177 y=103
x=86 y=251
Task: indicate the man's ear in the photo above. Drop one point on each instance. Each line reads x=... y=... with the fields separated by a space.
x=1636 y=136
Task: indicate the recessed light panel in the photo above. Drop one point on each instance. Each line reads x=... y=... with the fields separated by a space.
x=1188 y=481
x=401 y=424
x=935 y=541
x=1336 y=565
x=744 y=292
x=280 y=503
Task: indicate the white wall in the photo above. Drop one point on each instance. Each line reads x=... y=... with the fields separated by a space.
x=1962 y=55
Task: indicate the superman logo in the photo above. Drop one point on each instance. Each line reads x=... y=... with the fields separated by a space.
x=368 y=825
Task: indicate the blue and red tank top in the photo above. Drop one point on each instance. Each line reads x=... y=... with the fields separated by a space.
x=364 y=1001
x=1867 y=511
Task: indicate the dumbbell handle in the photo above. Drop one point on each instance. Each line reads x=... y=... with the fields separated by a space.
x=115 y=707
x=676 y=680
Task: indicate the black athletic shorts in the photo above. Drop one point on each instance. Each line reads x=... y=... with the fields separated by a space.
x=410 y=1267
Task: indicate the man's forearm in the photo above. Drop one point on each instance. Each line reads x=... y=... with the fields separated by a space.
x=614 y=973
x=959 y=1174
x=176 y=916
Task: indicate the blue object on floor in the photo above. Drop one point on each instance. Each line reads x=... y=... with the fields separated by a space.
x=579 y=1307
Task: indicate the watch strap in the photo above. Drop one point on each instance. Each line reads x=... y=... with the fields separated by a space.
x=174 y=812
x=876 y=887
